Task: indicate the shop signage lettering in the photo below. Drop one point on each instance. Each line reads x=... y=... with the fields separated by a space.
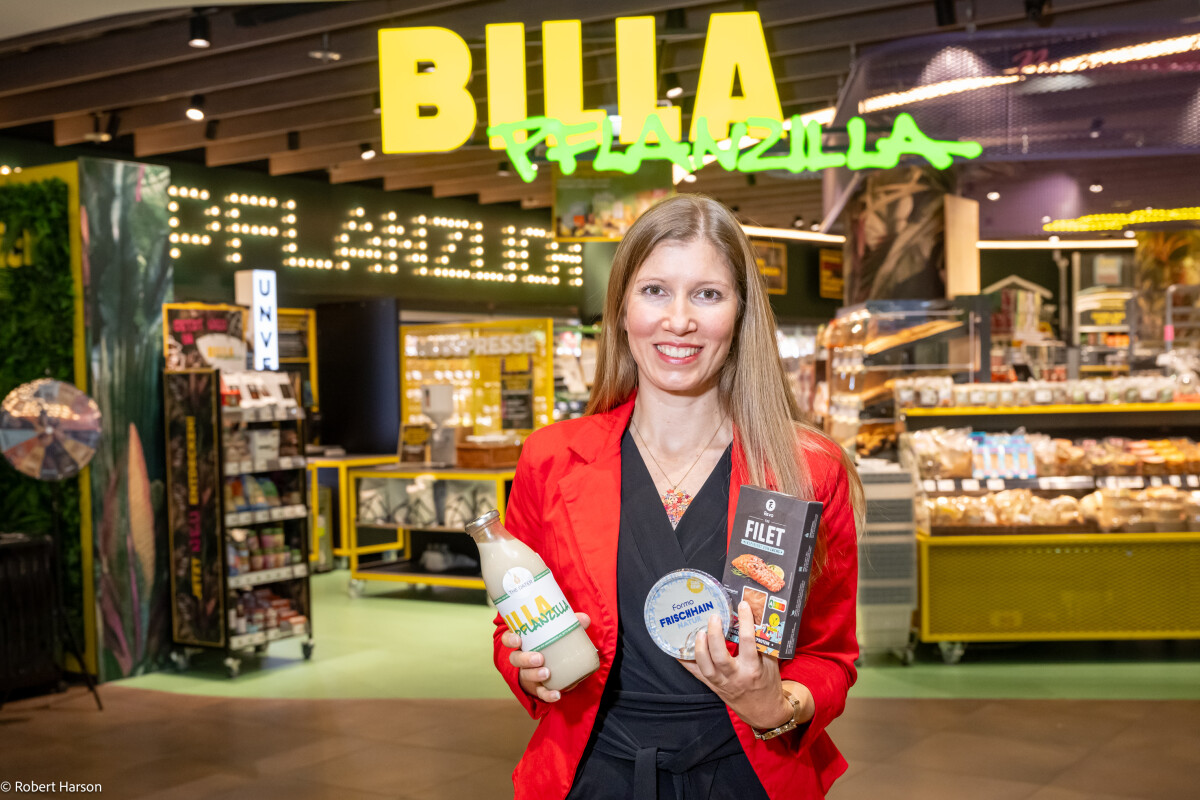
x=463 y=346
x=256 y=288
x=433 y=110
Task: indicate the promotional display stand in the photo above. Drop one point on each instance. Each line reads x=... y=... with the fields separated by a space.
x=238 y=516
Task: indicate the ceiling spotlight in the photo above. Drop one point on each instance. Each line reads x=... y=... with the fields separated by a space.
x=1046 y=219
x=97 y=134
x=325 y=53
x=798 y=222
x=376 y=103
x=1130 y=234
x=195 y=109
x=1035 y=10
x=367 y=151
x=674 y=89
x=210 y=129
x=425 y=66
x=1097 y=125
x=503 y=171
x=993 y=196
x=944 y=12
x=1096 y=188
x=199 y=32
x=816 y=226
x=293 y=140
x=1055 y=239
x=690 y=177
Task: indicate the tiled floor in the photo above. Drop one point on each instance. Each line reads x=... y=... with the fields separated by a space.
x=149 y=744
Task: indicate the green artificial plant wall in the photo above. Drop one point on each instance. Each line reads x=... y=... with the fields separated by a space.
x=37 y=302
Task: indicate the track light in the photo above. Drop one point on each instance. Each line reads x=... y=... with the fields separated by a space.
x=503 y=171
x=195 y=109
x=376 y=103
x=425 y=66
x=993 y=196
x=944 y=12
x=798 y=222
x=325 y=53
x=368 y=152
x=293 y=140
x=97 y=134
x=210 y=129
x=199 y=32
x=1096 y=188
x=674 y=89
x=1035 y=10
x=1097 y=127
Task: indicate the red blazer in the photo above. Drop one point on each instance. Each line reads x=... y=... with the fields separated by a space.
x=565 y=504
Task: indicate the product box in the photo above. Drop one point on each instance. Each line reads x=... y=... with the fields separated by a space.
x=769 y=562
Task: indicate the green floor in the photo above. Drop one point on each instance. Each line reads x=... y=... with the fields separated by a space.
x=398 y=641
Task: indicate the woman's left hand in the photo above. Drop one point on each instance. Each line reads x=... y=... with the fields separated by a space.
x=748 y=683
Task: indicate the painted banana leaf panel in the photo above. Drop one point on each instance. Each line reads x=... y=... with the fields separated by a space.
x=1163 y=258
x=37 y=297
x=128 y=276
x=895 y=230
x=195 y=507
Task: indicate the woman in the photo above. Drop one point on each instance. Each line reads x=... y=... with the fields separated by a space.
x=690 y=403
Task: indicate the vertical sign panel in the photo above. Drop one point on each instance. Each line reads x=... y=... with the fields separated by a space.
x=256 y=288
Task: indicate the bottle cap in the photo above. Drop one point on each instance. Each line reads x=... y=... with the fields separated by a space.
x=479 y=523
x=679 y=607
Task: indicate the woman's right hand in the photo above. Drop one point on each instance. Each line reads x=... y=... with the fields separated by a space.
x=533 y=671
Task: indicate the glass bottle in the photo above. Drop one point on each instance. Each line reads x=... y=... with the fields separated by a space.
x=528 y=598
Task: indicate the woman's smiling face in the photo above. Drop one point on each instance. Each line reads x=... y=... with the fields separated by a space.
x=680 y=316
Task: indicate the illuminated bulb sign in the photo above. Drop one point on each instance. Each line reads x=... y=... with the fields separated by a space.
x=735 y=47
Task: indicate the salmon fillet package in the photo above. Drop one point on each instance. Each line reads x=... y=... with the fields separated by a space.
x=769 y=562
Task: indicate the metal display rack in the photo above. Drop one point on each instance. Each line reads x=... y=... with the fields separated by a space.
x=373 y=542
x=206 y=584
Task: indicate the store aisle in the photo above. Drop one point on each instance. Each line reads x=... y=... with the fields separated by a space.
x=400 y=642
x=149 y=744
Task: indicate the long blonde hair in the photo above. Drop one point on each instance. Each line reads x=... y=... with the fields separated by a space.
x=753 y=386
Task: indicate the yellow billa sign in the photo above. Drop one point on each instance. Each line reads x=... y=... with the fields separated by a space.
x=427 y=111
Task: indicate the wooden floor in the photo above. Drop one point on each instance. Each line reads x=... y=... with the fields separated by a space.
x=148 y=744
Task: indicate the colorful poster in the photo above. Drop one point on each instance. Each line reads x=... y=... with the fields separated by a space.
x=592 y=206
x=195 y=507
x=196 y=335
x=833 y=280
x=771 y=258
x=129 y=276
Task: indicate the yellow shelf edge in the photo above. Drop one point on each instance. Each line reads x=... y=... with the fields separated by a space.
x=1055 y=636
x=435 y=475
x=432 y=580
x=1059 y=539
x=959 y=411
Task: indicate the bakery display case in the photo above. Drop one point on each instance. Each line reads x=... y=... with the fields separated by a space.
x=1034 y=523
x=875 y=344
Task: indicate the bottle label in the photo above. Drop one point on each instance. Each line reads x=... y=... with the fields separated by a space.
x=535 y=608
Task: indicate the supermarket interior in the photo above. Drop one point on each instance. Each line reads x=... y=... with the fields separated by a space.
x=286 y=286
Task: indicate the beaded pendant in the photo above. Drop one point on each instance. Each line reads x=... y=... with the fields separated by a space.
x=675 y=503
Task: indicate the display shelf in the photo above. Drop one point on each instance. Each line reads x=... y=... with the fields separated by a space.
x=410 y=572
x=1099 y=417
x=278 y=514
x=208 y=604
x=399 y=538
x=234 y=468
x=244 y=641
x=876 y=352
x=263 y=576
x=234 y=414
x=1074 y=483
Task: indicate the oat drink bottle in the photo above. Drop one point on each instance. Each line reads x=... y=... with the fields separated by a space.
x=532 y=605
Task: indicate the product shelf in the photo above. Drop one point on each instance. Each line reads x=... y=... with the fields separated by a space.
x=1072 y=483
x=1091 y=417
x=233 y=415
x=244 y=641
x=234 y=468
x=278 y=514
x=263 y=576
x=405 y=571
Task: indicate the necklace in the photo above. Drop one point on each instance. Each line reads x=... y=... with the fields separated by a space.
x=674 y=501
